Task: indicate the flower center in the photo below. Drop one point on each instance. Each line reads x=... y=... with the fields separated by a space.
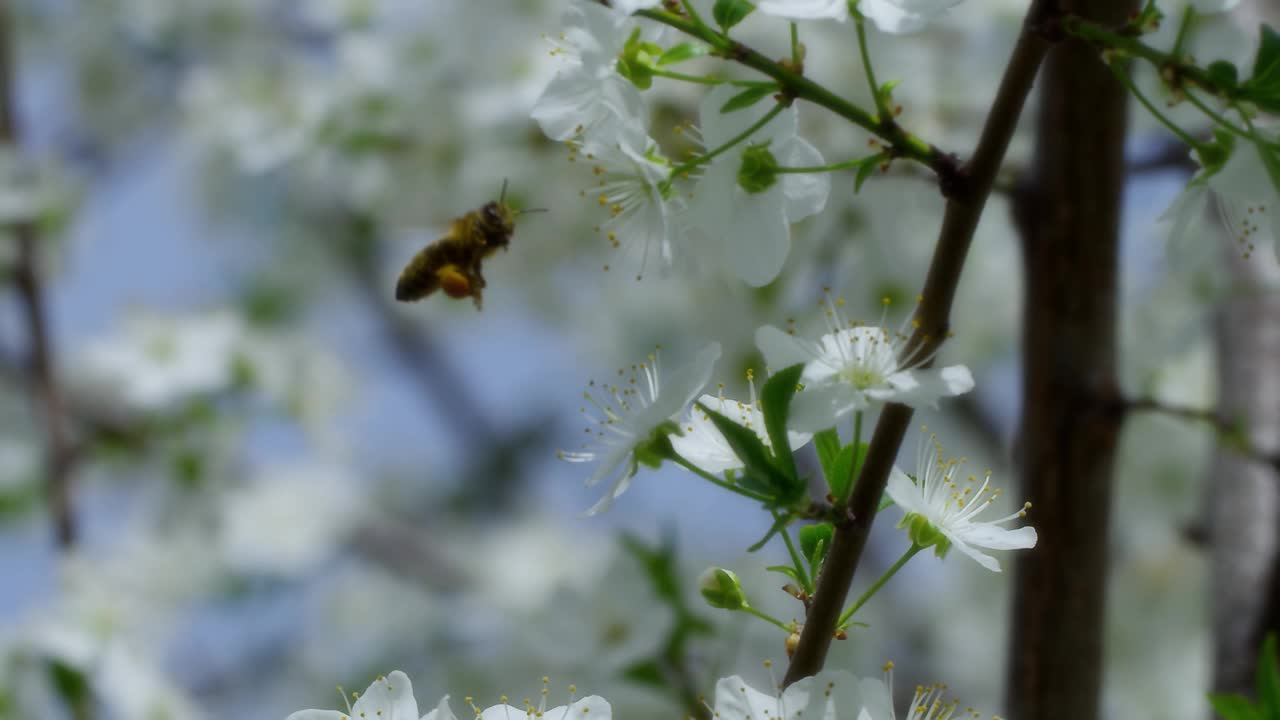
x=862 y=377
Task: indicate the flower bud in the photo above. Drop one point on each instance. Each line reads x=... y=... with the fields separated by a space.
x=637 y=61
x=721 y=589
x=793 y=642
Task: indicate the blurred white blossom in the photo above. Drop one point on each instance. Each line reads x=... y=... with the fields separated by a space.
x=746 y=216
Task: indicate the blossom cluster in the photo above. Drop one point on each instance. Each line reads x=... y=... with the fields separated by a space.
x=831 y=694
x=851 y=368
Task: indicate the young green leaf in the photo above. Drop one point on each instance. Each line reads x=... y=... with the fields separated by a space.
x=747 y=98
x=827 y=443
x=758 y=464
x=865 y=169
x=1263 y=86
x=728 y=13
x=683 y=51
x=775 y=402
x=1224 y=74
x=839 y=480
x=1234 y=707
x=814 y=541
x=1268 y=679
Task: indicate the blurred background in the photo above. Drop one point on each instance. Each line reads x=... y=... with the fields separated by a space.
x=279 y=480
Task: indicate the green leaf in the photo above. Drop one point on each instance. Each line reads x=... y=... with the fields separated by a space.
x=1224 y=74
x=758 y=464
x=786 y=570
x=865 y=170
x=683 y=51
x=1263 y=86
x=827 y=443
x=839 y=479
x=1234 y=707
x=778 y=523
x=814 y=541
x=747 y=98
x=646 y=672
x=775 y=404
x=728 y=13
x=1268 y=679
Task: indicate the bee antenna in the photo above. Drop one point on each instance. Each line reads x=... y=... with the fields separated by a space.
x=503 y=195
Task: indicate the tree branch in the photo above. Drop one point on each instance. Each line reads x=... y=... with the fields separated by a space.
x=964 y=208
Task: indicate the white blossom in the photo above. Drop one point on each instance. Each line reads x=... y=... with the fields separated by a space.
x=632 y=188
x=891 y=16
x=830 y=695
x=926 y=703
x=628 y=411
x=1242 y=192
x=389 y=698
x=853 y=366
x=951 y=507
x=587 y=95
x=750 y=229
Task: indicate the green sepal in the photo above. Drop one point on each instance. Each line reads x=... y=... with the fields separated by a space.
x=775 y=405
x=637 y=61
x=747 y=98
x=657 y=448
x=728 y=13
x=682 y=52
x=925 y=534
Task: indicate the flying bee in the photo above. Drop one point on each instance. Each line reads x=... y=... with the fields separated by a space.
x=454 y=262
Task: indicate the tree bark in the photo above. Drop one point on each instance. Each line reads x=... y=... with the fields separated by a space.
x=1068 y=212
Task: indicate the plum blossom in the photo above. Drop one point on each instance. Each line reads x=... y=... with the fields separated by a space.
x=588 y=95
x=891 y=16
x=743 y=209
x=936 y=503
x=629 y=412
x=853 y=366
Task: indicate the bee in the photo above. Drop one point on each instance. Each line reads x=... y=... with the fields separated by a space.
x=454 y=262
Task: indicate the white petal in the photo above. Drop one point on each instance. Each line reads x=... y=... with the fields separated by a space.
x=806 y=9
x=390 y=697
x=592 y=707
x=819 y=407
x=760 y=237
x=318 y=715
x=997 y=538
x=781 y=350
x=905 y=493
x=442 y=711
x=982 y=559
x=806 y=193
x=890 y=18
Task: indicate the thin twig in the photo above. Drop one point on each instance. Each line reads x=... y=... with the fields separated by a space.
x=45 y=391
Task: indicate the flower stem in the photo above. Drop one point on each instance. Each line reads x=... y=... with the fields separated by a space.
x=860 y=25
x=767 y=618
x=679 y=460
x=706 y=80
x=683 y=168
x=1099 y=35
x=795 y=45
x=1184 y=29
x=1183 y=135
x=893 y=570
x=796 y=559
x=846 y=165
x=1213 y=115
x=793 y=84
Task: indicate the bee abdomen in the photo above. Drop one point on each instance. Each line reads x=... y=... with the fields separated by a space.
x=418 y=279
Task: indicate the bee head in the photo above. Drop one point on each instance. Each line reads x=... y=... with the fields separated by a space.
x=499 y=222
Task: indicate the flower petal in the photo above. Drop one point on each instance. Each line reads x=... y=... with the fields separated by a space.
x=997 y=538
x=905 y=493
x=442 y=711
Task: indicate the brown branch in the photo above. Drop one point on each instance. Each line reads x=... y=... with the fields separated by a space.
x=964 y=208
x=46 y=394
x=1231 y=431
